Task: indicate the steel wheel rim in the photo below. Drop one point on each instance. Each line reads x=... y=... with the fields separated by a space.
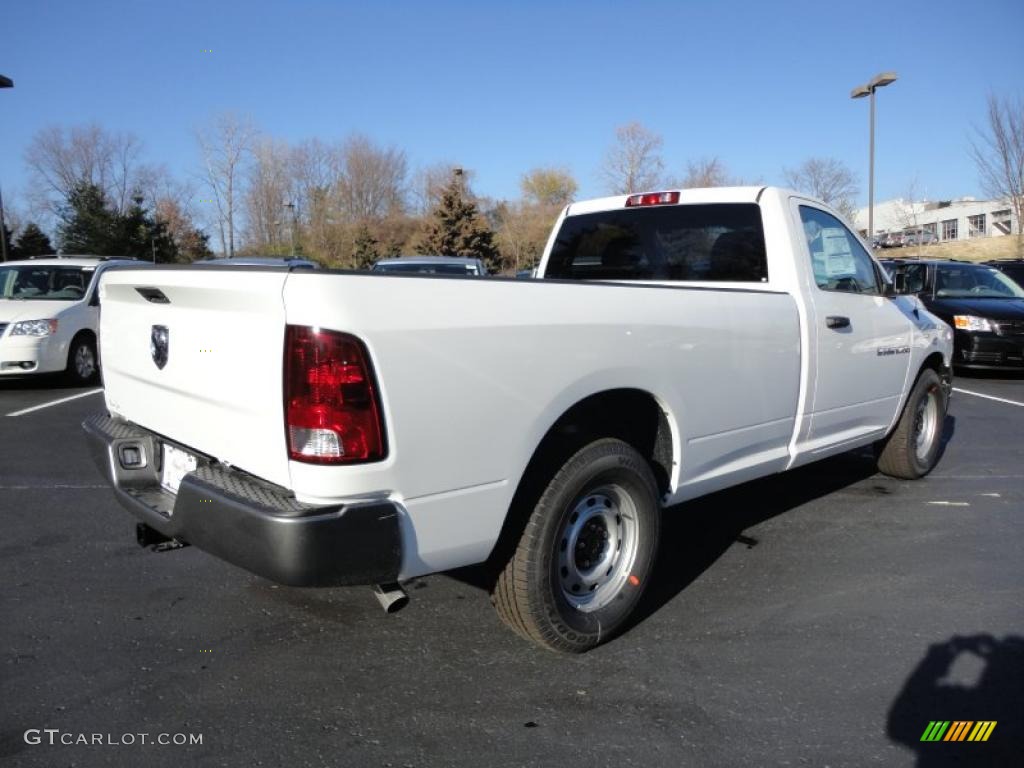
x=926 y=424
x=596 y=547
x=85 y=362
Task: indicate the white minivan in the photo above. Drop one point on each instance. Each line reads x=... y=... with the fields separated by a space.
x=49 y=315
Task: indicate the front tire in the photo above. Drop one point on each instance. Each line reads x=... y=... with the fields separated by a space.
x=83 y=364
x=586 y=553
x=912 y=449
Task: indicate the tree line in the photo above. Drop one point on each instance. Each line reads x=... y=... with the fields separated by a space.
x=349 y=202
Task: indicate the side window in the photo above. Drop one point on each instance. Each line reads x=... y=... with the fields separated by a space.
x=839 y=262
x=915 y=275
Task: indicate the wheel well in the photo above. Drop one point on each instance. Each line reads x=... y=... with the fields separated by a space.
x=86 y=333
x=631 y=415
x=933 y=361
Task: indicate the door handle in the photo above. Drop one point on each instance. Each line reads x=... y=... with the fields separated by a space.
x=836 y=321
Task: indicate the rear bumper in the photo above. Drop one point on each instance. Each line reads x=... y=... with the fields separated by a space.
x=248 y=522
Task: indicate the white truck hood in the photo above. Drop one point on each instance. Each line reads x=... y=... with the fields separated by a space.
x=220 y=390
x=13 y=310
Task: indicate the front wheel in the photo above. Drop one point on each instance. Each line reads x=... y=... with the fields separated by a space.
x=83 y=366
x=586 y=553
x=912 y=449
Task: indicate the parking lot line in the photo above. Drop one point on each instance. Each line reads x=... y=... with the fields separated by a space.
x=988 y=397
x=23 y=411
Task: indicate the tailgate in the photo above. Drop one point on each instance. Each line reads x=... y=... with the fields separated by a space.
x=219 y=391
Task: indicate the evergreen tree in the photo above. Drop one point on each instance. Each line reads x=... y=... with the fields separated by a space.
x=12 y=251
x=193 y=244
x=88 y=224
x=136 y=234
x=365 y=252
x=455 y=228
x=32 y=242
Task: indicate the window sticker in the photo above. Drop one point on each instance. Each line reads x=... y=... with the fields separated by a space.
x=838 y=255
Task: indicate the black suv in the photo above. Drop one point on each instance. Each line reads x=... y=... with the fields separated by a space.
x=1012 y=267
x=984 y=306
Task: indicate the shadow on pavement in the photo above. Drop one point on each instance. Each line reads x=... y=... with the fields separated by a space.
x=42 y=381
x=695 y=534
x=938 y=691
x=948 y=430
x=984 y=373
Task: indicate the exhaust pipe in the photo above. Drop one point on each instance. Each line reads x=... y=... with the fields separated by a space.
x=156 y=541
x=390 y=596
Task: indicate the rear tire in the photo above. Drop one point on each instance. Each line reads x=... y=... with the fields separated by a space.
x=586 y=553
x=912 y=449
x=83 y=364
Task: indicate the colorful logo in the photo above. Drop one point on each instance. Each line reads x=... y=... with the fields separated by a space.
x=958 y=730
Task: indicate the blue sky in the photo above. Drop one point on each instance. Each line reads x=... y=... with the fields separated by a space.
x=504 y=87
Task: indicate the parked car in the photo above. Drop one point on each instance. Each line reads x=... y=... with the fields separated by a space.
x=351 y=428
x=921 y=237
x=49 y=315
x=1012 y=267
x=291 y=262
x=432 y=265
x=984 y=306
x=892 y=240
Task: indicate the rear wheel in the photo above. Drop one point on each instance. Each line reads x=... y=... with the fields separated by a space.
x=83 y=365
x=912 y=449
x=586 y=553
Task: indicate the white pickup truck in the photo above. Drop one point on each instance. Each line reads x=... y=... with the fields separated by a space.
x=327 y=428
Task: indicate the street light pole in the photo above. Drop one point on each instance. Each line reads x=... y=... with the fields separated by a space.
x=291 y=210
x=5 y=82
x=857 y=93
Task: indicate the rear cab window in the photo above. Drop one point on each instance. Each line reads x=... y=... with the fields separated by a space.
x=713 y=242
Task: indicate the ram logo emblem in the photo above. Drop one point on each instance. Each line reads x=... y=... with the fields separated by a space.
x=159 y=343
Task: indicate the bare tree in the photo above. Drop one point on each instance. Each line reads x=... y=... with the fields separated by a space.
x=633 y=163
x=998 y=152
x=521 y=232
x=707 y=172
x=372 y=180
x=226 y=145
x=59 y=160
x=429 y=182
x=827 y=179
x=316 y=176
x=909 y=207
x=550 y=187
x=268 y=191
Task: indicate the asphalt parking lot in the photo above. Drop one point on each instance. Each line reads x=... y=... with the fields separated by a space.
x=823 y=617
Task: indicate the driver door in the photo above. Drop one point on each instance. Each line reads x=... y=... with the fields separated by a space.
x=860 y=338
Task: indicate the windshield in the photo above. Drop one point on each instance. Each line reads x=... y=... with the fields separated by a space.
x=45 y=283
x=967 y=282
x=428 y=269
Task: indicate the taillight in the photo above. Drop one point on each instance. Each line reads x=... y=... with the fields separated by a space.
x=332 y=411
x=652 y=198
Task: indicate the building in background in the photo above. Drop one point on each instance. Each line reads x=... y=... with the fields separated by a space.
x=960 y=219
